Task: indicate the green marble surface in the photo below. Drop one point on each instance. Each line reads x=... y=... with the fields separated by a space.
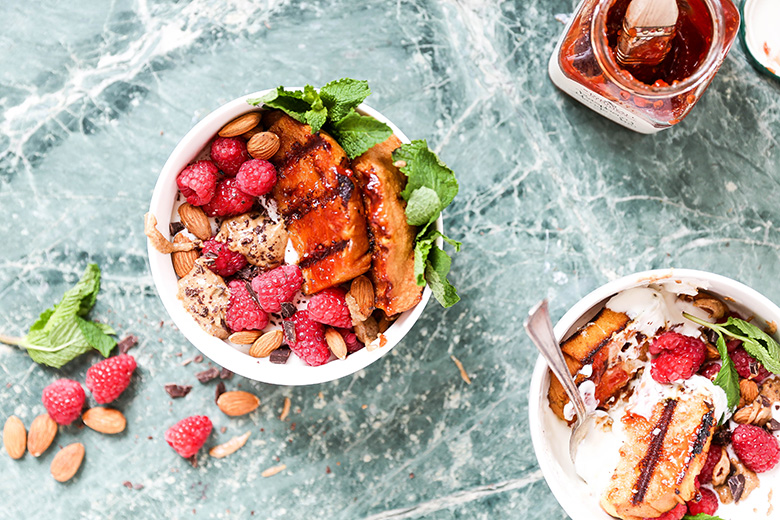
x=554 y=201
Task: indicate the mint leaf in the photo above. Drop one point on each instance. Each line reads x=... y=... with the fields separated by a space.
x=436 y=269
x=342 y=96
x=727 y=377
x=423 y=207
x=288 y=101
x=757 y=343
x=356 y=133
x=96 y=336
x=701 y=516
x=424 y=168
x=61 y=333
x=317 y=114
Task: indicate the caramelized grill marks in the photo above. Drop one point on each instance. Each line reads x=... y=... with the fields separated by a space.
x=648 y=463
x=321 y=253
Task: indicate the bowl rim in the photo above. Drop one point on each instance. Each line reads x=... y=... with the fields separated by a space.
x=554 y=474
x=217 y=350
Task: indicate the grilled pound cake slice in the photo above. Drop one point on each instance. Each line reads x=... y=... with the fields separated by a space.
x=321 y=208
x=392 y=269
x=597 y=344
x=660 y=458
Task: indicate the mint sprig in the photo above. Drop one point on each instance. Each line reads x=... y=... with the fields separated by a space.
x=332 y=108
x=62 y=332
x=430 y=187
x=701 y=516
x=755 y=341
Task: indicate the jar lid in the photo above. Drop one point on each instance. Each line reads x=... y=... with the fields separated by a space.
x=760 y=34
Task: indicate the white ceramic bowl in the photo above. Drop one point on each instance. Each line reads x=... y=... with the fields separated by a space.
x=551 y=436
x=294 y=372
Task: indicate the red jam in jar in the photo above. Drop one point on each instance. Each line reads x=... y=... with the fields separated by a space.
x=644 y=98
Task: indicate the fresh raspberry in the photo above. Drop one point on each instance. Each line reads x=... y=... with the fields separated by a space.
x=710 y=370
x=707 y=504
x=733 y=345
x=747 y=366
x=220 y=259
x=198 y=182
x=680 y=357
x=309 y=344
x=353 y=343
x=188 y=435
x=64 y=400
x=256 y=177
x=670 y=341
x=674 y=514
x=277 y=286
x=243 y=313
x=109 y=378
x=329 y=307
x=713 y=456
x=228 y=200
x=756 y=448
x=229 y=153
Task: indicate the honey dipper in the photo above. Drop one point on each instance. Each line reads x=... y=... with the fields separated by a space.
x=648 y=30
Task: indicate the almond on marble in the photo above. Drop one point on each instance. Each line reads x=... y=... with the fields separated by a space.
x=67 y=462
x=237 y=403
x=14 y=437
x=42 y=432
x=105 y=420
x=230 y=447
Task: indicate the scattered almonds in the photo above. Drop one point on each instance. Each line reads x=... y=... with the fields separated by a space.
x=231 y=446
x=14 y=437
x=105 y=420
x=240 y=125
x=42 y=432
x=160 y=243
x=463 y=373
x=267 y=343
x=285 y=409
x=67 y=462
x=270 y=472
x=245 y=337
x=237 y=403
x=183 y=261
x=336 y=343
x=263 y=145
x=195 y=220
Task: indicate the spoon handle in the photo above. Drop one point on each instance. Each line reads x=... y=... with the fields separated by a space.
x=539 y=327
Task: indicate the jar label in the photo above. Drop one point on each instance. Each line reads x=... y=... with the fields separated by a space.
x=597 y=102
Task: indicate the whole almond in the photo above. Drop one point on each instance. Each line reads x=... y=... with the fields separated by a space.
x=245 y=337
x=336 y=343
x=231 y=446
x=14 y=437
x=748 y=390
x=67 y=462
x=240 y=125
x=237 y=403
x=360 y=299
x=267 y=343
x=195 y=220
x=42 y=432
x=183 y=261
x=104 y=420
x=263 y=145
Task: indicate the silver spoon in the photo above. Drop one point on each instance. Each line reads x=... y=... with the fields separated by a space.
x=539 y=327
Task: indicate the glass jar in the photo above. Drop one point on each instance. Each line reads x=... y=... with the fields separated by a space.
x=585 y=67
